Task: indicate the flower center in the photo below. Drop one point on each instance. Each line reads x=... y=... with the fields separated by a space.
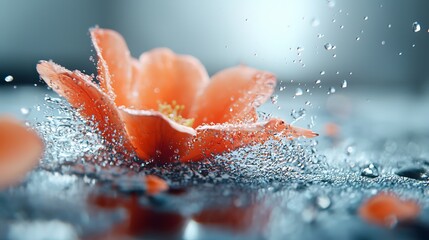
x=174 y=112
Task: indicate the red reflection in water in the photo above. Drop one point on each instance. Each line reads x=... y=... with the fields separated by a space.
x=253 y=217
x=140 y=220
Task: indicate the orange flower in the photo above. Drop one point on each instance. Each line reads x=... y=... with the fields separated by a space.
x=163 y=106
x=20 y=150
x=386 y=209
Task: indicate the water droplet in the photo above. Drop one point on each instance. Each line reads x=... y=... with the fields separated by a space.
x=318 y=81
x=274 y=99
x=344 y=85
x=370 y=171
x=24 y=111
x=357 y=38
x=414 y=45
x=8 y=78
x=417 y=173
x=329 y=46
x=400 y=54
x=416 y=27
x=300 y=49
x=322 y=73
x=315 y=22
x=383 y=42
x=320 y=35
x=323 y=202
x=365 y=18
x=308 y=103
x=342 y=27
x=389 y=26
x=350 y=150
x=331 y=90
x=331 y=3
x=298 y=92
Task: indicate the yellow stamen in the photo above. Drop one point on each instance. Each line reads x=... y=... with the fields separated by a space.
x=174 y=112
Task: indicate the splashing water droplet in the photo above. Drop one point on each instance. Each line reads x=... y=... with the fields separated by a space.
x=315 y=22
x=416 y=27
x=8 y=78
x=329 y=46
x=344 y=85
x=24 y=111
x=274 y=99
x=298 y=92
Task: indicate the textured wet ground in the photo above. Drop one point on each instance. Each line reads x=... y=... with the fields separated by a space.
x=304 y=189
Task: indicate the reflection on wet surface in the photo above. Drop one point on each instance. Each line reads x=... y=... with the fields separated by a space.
x=295 y=190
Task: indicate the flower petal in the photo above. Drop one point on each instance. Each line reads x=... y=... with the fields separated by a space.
x=216 y=139
x=89 y=100
x=155 y=185
x=154 y=136
x=167 y=77
x=20 y=151
x=232 y=94
x=114 y=65
x=386 y=209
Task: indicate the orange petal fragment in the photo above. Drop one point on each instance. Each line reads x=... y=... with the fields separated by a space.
x=232 y=94
x=89 y=100
x=155 y=185
x=385 y=209
x=114 y=64
x=216 y=139
x=20 y=151
x=155 y=136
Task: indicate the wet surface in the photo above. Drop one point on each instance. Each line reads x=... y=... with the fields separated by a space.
x=302 y=189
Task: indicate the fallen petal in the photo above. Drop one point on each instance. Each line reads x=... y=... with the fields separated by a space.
x=385 y=209
x=20 y=151
x=155 y=185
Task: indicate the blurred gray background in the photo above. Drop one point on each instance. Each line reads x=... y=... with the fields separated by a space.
x=375 y=44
